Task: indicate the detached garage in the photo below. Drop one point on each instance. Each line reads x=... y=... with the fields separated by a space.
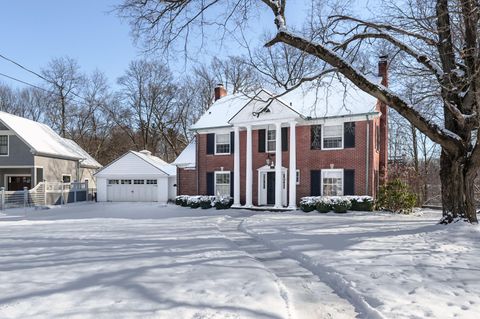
x=137 y=177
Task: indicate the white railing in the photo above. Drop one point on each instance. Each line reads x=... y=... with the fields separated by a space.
x=45 y=193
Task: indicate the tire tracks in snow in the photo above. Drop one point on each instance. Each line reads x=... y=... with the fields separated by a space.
x=304 y=294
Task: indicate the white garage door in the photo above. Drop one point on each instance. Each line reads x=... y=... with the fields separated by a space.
x=132 y=190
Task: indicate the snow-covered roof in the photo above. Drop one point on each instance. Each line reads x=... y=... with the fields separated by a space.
x=168 y=169
x=43 y=140
x=336 y=96
x=221 y=111
x=87 y=160
x=187 y=157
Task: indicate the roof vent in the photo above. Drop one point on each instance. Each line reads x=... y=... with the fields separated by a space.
x=146 y=152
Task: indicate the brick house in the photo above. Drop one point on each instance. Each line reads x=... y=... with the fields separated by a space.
x=271 y=151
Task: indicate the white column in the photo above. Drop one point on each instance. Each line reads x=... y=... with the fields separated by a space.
x=292 y=183
x=236 y=167
x=248 y=175
x=278 y=165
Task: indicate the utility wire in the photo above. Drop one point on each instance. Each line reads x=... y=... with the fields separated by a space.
x=38 y=75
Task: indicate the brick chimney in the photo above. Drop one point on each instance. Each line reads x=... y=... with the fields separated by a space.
x=383 y=169
x=220 y=92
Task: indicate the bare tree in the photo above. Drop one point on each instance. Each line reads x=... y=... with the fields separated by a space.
x=64 y=81
x=438 y=39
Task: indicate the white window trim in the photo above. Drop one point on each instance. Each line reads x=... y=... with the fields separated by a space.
x=297 y=177
x=15 y=175
x=266 y=141
x=229 y=144
x=342 y=136
x=69 y=175
x=215 y=180
x=332 y=170
x=8 y=146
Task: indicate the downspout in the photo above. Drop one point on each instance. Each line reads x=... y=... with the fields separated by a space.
x=367 y=158
x=197 y=161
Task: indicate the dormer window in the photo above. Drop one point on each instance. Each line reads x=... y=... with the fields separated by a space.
x=3 y=145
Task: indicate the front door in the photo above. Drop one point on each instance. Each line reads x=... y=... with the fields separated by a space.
x=17 y=183
x=270 y=188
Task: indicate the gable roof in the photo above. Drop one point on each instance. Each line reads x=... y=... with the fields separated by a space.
x=42 y=140
x=336 y=96
x=187 y=157
x=151 y=161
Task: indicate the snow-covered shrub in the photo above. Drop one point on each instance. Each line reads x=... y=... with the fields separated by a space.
x=194 y=201
x=207 y=202
x=324 y=205
x=361 y=203
x=396 y=197
x=223 y=202
x=340 y=204
x=181 y=200
x=308 y=204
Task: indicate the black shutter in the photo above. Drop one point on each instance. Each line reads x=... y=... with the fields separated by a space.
x=211 y=143
x=315 y=183
x=349 y=134
x=232 y=142
x=284 y=139
x=231 y=184
x=316 y=137
x=210 y=184
x=349 y=182
x=261 y=141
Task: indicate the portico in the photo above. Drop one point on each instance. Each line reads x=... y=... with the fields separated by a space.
x=271 y=116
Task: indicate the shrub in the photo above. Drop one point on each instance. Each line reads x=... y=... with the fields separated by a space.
x=341 y=205
x=362 y=203
x=193 y=201
x=324 y=206
x=308 y=204
x=179 y=200
x=207 y=202
x=223 y=202
x=396 y=197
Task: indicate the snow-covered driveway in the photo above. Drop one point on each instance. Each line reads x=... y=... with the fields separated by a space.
x=117 y=260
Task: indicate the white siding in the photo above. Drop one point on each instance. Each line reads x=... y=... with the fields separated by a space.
x=162 y=190
x=172 y=190
x=101 y=189
x=130 y=165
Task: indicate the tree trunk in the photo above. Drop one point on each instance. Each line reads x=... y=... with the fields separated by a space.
x=457 y=190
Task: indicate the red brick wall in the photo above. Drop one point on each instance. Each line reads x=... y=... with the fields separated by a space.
x=186 y=181
x=307 y=160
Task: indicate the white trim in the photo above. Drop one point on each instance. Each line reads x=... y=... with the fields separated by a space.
x=262 y=191
x=69 y=175
x=266 y=140
x=332 y=170
x=342 y=136
x=19 y=166
x=215 y=181
x=229 y=144
x=8 y=146
x=5 y=179
x=297 y=177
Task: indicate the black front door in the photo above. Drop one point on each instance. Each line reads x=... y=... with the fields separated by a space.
x=270 y=188
x=17 y=183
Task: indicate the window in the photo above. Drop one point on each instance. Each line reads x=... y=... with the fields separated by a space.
x=126 y=181
x=271 y=142
x=151 y=181
x=113 y=182
x=4 y=145
x=316 y=137
x=66 y=178
x=138 y=181
x=297 y=177
x=222 y=183
x=332 y=182
x=222 y=143
x=332 y=137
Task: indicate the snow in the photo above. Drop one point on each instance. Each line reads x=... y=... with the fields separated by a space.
x=187 y=158
x=40 y=137
x=87 y=160
x=169 y=169
x=134 y=260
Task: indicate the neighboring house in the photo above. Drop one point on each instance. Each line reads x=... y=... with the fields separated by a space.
x=31 y=152
x=137 y=177
x=271 y=151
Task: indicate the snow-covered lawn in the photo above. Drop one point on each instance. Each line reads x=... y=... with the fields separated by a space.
x=146 y=261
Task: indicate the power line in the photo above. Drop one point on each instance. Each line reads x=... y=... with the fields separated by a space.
x=26 y=83
x=25 y=68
